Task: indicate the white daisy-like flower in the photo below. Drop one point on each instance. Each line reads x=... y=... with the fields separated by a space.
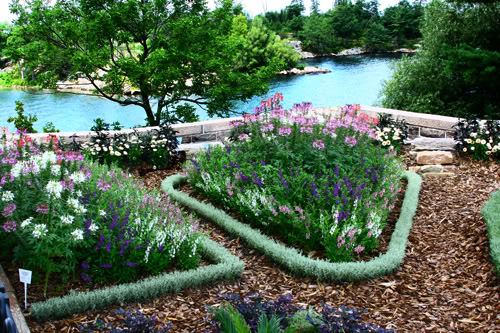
x=77 y=234
x=7 y=196
x=40 y=230
x=67 y=219
x=26 y=222
x=102 y=212
x=54 y=188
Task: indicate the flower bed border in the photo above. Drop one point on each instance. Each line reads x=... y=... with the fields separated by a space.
x=491 y=214
x=295 y=261
x=227 y=266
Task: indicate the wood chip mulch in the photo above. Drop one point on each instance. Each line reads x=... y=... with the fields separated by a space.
x=446 y=283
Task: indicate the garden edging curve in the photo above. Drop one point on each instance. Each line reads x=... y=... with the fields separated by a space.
x=491 y=214
x=296 y=262
x=227 y=266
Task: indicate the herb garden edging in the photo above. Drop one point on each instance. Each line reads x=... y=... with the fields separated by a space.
x=227 y=266
x=296 y=262
x=491 y=213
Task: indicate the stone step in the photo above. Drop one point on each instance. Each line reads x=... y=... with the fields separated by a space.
x=433 y=144
x=434 y=157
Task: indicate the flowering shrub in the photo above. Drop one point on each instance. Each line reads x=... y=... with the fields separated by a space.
x=62 y=209
x=481 y=139
x=158 y=149
x=318 y=181
x=391 y=133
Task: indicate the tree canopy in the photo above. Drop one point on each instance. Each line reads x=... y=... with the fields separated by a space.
x=176 y=53
x=457 y=72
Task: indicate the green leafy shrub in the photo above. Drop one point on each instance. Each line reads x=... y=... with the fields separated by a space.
x=158 y=149
x=23 y=122
x=480 y=139
x=319 y=181
x=50 y=128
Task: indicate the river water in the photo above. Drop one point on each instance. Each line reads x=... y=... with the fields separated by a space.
x=353 y=80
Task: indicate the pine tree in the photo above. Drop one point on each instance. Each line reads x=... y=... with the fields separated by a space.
x=315 y=7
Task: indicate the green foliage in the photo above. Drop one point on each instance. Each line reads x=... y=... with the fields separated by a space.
x=299 y=264
x=260 y=47
x=318 y=36
x=491 y=213
x=22 y=122
x=457 y=71
x=402 y=21
x=50 y=128
x=376 y=37
x=190 y=44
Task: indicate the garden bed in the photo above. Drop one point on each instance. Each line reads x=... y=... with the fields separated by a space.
x=295 y=261
x=445 y=284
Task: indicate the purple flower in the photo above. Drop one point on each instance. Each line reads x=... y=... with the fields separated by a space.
x=130 y=264
x=336 y=172
x=9 y=226
x=44 y=209
x=246 y=179
x=85 y=277
x=284 y=131
x=351 y=140
x=85 y=265
x=256 y=180
x=106 y=265
x=319 y=144
x=9 y=210
x=314 y=191
x=243 y=137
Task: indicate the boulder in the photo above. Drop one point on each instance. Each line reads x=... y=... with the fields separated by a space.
x=433 y=144
x=353 y=51
x=431 y=169
x=434 y=157
x=306 y=70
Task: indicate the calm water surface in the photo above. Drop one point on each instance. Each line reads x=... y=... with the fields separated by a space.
x=353 y=80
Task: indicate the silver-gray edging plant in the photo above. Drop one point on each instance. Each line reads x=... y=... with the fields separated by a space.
x=293 y=259
x=491 y=213
x=227 y=266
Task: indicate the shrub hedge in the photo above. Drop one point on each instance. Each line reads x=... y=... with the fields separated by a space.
x=491 y=213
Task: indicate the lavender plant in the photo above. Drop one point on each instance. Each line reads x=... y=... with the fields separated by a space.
x=318 y=180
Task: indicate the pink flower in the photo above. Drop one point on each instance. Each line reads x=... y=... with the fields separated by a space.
x=319 y=144
x=351 y=233
x=243 y=137
x=44 y=209
x=351 y=140
x=359 y=249
x=284 y=131
x=9 y=210
x=306 y=130
x=9 y=226
x=370 y=234
x=267 y=128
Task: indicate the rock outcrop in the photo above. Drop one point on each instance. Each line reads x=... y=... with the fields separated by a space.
x=306 y=70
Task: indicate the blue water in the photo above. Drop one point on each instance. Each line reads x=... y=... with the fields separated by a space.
x=353 y=80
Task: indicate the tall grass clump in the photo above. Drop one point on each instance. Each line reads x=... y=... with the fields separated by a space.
x=320 y=181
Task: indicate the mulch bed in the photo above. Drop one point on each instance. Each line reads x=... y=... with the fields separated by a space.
x=446 y=283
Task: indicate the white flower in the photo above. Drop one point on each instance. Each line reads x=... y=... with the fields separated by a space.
x=54 y=188
x=7 y=196
x=55 y=170
x=16 y=170
x=79 y=193
x=98 y=148
x=117 y=153
x=40 y=230
x=67 y=219
x=105 y=148
x=102 y=212
x=126 y=146
x=77 y=177
x=125 y=153
x=472 y=148
x=465 y=149
x=478 y=140
x=483 y=142
x=77 y=234
x=26 y=222
x=473 y=135
x=93 y=227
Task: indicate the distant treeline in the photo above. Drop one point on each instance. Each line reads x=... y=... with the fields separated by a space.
x=349 y=24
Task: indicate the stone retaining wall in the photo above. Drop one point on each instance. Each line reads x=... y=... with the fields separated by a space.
x=425 y=125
